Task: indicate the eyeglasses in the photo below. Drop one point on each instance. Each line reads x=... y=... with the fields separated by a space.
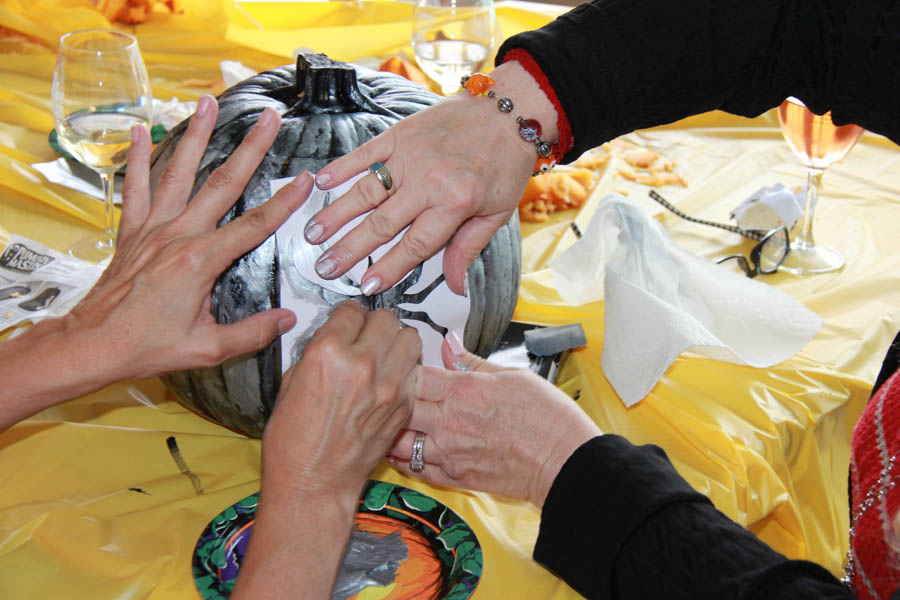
x=765 y=257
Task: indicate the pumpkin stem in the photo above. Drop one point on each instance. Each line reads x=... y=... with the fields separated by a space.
x=325 y=86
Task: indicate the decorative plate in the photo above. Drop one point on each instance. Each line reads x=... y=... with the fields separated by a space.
x=443 y=557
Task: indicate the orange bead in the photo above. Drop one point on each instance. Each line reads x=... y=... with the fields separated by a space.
x=544 y=164
x=478 y=84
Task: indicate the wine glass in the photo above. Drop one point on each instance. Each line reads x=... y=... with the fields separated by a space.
x=100 y=90
x=452 y=38
x=818 y=143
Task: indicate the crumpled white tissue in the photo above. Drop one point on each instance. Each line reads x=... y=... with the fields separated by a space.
x=767 y=208
x=170 y=113
x=662 y=300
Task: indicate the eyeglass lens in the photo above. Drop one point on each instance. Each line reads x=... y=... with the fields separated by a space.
x=771 y=251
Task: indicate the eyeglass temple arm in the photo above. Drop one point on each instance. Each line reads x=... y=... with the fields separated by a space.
x=753 y=235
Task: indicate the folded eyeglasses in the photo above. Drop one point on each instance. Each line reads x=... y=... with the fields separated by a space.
x=766 y=256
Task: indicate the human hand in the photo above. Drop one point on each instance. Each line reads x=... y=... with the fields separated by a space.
x=458 y=168
x=151 y=306
x=337 y=412
x=341 y=406
x=504 y=431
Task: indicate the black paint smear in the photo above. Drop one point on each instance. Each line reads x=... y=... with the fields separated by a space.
x=179 y=460
x=139 y=491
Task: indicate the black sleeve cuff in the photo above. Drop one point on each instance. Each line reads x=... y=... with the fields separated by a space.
x=603 y=493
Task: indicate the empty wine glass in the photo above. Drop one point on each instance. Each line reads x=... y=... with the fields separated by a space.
x=452 y=38
x=818 y=143
x=100 y=90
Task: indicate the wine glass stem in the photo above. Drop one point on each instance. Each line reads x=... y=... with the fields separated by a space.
x=109 y=213
x=813 y=184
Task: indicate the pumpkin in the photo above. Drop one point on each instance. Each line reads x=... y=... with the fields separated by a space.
x=328 y=109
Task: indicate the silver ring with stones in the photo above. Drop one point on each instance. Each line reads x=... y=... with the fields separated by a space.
x=417 y=460
x=383 y=175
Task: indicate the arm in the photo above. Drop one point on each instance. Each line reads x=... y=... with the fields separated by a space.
x=458 y=170
x=47 y=365
x=628 y=65
x=337 y=413
x=499 y=430
x=617 y=520
x=615 y=66
x=149 y=312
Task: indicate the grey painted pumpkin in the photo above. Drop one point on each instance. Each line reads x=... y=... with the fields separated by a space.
x=328 y=109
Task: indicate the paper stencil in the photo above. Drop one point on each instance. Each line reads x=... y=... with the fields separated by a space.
x=421 y=299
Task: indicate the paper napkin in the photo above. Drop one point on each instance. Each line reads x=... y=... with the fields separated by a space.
x=662 y=300
x=768 y=208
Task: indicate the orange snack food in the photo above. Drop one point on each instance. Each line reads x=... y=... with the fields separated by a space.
x=400 y=66
x=643 y=159
x=654 y=178
x=595 y=158
x=641 y=165
x=558 y=190
x=132 y=12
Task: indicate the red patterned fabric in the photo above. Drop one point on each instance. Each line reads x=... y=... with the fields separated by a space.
x=562 y=123
x=875 y=568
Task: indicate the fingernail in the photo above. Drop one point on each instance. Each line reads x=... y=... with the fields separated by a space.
x=456 y=345
x=326 y=266
x=301 y=179
x=203 y=105
x=266 y=118
x=137 y=133
x=313 y=232
x=285 y=324
x=466 y=285
x=370 y=286
x=322 y=179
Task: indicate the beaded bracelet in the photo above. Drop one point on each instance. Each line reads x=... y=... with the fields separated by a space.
x=478 y=84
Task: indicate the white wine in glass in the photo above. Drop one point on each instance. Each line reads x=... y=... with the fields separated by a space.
x=818 y=143
x=100 y=91
x=452 y=38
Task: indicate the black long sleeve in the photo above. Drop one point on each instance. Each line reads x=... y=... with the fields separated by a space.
x=890 y=364
x=619 y=522
x=622 y=65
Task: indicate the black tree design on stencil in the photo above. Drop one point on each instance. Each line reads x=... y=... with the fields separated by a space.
x=392 y=297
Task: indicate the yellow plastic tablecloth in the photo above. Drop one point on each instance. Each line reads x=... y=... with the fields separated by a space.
x=92 y=505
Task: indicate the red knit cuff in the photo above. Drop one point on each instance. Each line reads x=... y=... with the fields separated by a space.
x=564 y=130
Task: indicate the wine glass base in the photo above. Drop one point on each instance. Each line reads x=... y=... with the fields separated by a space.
x=809 y=260
x=94 y=248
